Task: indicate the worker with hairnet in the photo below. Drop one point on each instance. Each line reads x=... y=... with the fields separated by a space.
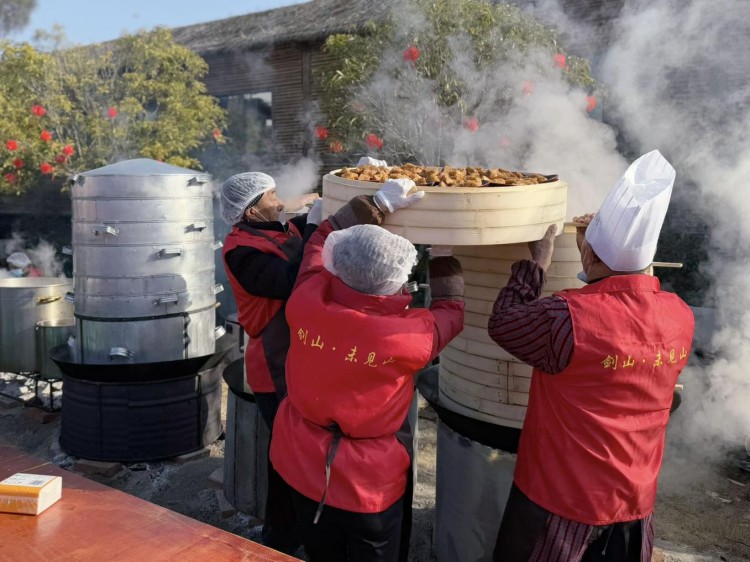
x=19 y=265
x=341 y=439
x=262 y=255
x=606 y=358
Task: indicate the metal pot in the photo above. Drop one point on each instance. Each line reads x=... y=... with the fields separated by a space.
x=23 y=303
x=147 y=340
x=49 y=334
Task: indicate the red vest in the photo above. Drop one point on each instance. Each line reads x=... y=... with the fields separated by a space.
x=351 y=361
x=593 y=438
x=254 y=313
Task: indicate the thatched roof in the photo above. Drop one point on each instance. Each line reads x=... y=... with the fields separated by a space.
x=298 y=23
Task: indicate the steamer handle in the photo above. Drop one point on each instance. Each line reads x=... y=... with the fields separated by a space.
x=167 y=252
x=70 y=297
x=196 y=227
x=120 y=352
x=47 y=300
x=105 y=229
x=218 y=288
x=167 y=299
x=67 y=250
x=196 y=181
x=219 y=331
x=218 y=244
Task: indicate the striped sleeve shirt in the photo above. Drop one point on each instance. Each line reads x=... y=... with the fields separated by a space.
x=537 y=331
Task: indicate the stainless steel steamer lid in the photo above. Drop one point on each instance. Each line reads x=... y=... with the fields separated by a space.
x=140 y=177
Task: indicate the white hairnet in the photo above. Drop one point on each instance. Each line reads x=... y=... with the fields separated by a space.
x=18 y=259
x=369 y=259
x=242 y=190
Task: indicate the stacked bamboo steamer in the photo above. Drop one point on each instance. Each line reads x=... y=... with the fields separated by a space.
x=463 y=216
x=478 y=378
x=488 y=228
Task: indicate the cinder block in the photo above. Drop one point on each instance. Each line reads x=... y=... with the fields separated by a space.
x=102 y=468
x=41 y=416
x=203 y=453
x=216 y=478
x=8 y=403
x=226 y=509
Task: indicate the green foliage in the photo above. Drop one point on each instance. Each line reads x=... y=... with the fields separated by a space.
x=496 y=38
x=141 y=96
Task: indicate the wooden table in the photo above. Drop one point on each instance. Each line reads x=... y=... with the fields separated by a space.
x=97 y=523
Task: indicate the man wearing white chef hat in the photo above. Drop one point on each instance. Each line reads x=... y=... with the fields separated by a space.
x=606 y=358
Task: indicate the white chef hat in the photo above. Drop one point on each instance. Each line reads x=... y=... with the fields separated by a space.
x=625 y=231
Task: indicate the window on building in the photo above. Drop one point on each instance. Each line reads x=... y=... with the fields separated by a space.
x=250 y=121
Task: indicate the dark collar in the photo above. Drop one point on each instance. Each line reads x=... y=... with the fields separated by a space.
x=263 y=225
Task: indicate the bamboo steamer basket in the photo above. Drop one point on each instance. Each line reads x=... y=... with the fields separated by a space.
x=478 y=378
x=463 y=216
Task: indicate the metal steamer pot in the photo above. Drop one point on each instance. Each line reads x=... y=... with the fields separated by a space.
x=144 y=263
x=50 y=334
x=23 y=303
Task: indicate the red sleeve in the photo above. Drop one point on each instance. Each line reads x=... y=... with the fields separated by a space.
x=312 y=259
x=449 y=322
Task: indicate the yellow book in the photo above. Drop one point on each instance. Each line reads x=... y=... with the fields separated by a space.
x=29 y=494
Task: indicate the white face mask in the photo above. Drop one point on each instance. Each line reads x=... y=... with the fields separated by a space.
x=281 y=219
x=16 y=272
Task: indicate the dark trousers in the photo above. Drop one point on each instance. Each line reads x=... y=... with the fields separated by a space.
x=280 y=524
x=346 y=536
x=524 y=528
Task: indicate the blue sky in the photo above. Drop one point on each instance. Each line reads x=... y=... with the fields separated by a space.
x=91 y=21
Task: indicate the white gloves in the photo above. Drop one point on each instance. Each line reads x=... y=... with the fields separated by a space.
x=366 y=160
x=394 y=195
x=441 y=251
x=315 y=215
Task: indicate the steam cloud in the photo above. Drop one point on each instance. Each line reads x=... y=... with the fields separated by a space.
x=547 y=130
x=679 y=71
x=43 y=256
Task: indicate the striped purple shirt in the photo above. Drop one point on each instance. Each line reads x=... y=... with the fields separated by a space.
x=537 y=331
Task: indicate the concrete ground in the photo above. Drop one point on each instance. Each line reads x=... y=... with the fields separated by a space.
x=700 y=518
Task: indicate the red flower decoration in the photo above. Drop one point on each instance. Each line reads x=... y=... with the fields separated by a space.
x=38 y=110
x=46 y=136
x=590 y=103
x=472 y=124
x=373 y=141
x=45 y=168
x=528 y=87
x=411 y=53
x=216 y=132
x=11 y=177
x=561 y=60
x=321 y=132
x=11 y=145
x=18 y=163
x=111 y=112
x=68 y=150
x=336 y=146
x=61 y=159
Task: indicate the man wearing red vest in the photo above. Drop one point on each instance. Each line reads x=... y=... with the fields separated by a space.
x=606 y=358
x=341 y=439
x=262 y=255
